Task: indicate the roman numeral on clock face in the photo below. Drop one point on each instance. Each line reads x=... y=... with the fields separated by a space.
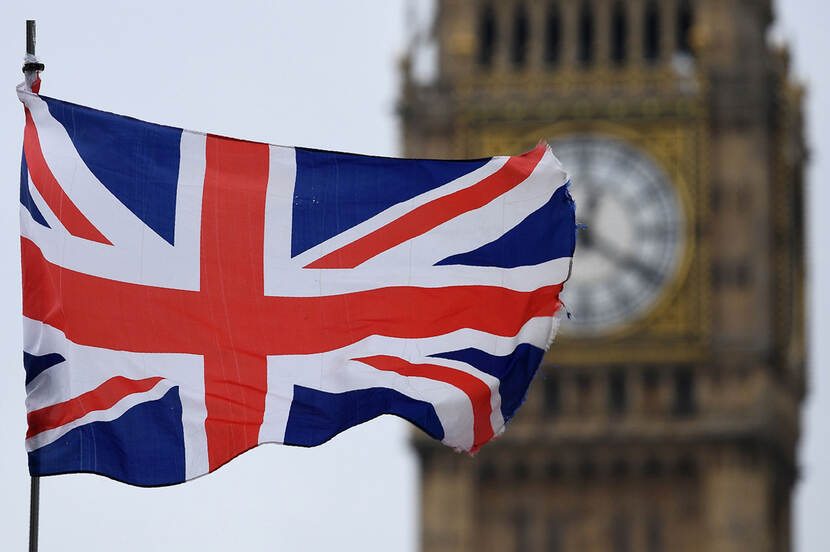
x=632 y=242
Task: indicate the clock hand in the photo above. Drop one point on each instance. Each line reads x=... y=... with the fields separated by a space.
x=625 y=260
x=591 y=204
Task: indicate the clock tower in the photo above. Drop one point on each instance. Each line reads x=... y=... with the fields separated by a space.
x=666 y=414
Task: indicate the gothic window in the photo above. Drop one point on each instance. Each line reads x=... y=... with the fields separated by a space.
x=651 y=32
x=585 y=48
x=553 y=34
x=521 y=471
x=554 y=470
x=686 y=467
x=487 y=36
x=619 y=33
x=583 y=391
x=616 y=392
x=684 y=27
x=487 y=472
x=651 y=389
x=553 y=396
x=684 y=393
x=652 y=467
x=619 y=469
x=587 y=469
x=521 y=30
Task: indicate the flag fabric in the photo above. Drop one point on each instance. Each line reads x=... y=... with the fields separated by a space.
x=188 y=296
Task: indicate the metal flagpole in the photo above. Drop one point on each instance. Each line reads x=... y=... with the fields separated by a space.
x=30 y=69
x=34 y=511
x=31 y=65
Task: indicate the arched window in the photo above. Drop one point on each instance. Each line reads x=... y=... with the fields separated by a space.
x=487 y=36
x=684 y=393
x=553 y=396
x=684 y=27
x=617 y=397
x=521 y=31
x=651 y=32
x=553 y=34
x=619 y=33
x=585 y=49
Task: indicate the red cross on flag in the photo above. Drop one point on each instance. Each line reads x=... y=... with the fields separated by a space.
x=187 y=297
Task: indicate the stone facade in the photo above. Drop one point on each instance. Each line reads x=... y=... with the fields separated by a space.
x=677 y=431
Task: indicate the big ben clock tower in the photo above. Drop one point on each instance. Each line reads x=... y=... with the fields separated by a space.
x=666 y=415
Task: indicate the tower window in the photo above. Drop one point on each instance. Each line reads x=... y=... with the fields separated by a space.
x=583 y=390
x=619 y=34
x=651 y=32
x=553 y=34
x=585 y=50
x=684 y=393
x=521 y=30
x=684 y=27
x=487 y=472
x=554 y=470
x=487 y=37
x=520 y=471
x=553 y=396
x=619 y=468
x=652 y=467
x=651 y=389
x=587 y=470
x=616 y=393
x=686 y=467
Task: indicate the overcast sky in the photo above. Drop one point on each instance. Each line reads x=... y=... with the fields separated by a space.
x=313 y=73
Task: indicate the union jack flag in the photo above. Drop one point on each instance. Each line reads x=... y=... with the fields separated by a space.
x=188 y=296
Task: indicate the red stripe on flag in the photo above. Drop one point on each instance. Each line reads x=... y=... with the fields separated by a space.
x=232 y=289
x=325 y=323
x=430 y=215
x=478 y=392
x=116 y=315
x=100 y=312
x=70 y=216
x=103 y=397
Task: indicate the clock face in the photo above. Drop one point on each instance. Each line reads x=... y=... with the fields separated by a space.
x=632 y=240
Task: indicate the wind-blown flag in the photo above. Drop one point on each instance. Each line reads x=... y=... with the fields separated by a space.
x=187 y=297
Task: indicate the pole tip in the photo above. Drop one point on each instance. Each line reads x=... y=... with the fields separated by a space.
x=32 y=64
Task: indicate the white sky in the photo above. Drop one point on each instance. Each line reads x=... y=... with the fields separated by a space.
x=313 y=73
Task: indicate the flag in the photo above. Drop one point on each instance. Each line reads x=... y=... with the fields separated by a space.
x=188 y=296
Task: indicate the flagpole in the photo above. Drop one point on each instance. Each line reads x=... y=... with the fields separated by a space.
x=34 y=512
x=31 y=67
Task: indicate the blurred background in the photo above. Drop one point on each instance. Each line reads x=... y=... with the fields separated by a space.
x=667 y=416
x=681 y=408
